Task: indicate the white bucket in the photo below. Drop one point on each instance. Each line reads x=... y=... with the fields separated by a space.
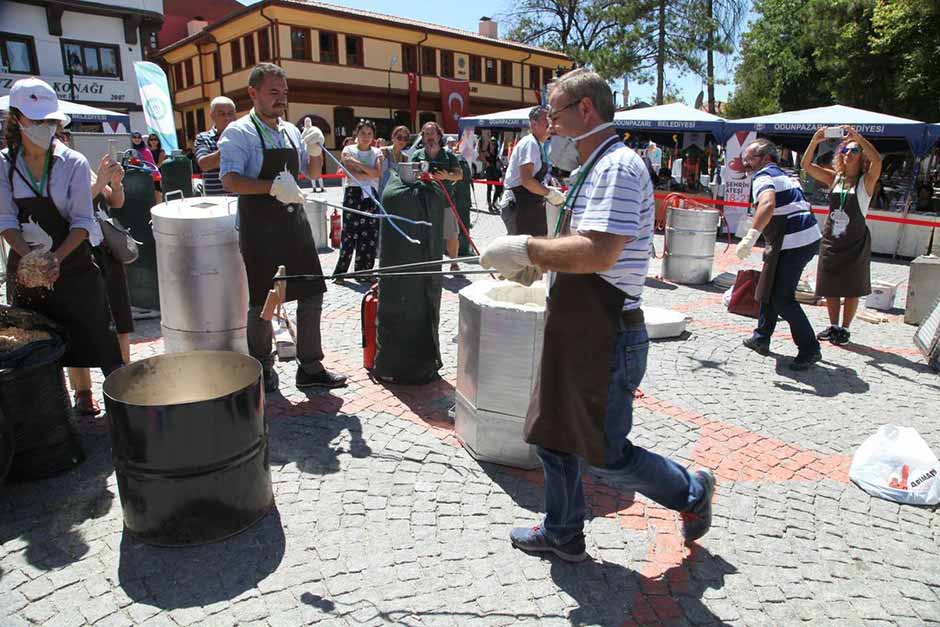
x=882 y=296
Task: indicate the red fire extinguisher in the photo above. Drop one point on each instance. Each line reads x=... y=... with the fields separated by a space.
x=336 y=229
x=370 y=308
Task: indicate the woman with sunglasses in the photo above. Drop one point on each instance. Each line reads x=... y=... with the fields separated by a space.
x=360 y=234
x=844 y=268
x=156 y=148
x=137 y=143
x=392 y=154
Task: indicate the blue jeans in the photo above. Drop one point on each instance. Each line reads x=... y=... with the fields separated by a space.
x=652 y=475
x=783 y=301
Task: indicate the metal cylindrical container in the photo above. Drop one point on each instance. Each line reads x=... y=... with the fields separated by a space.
x=203 y=286
x=690 y=245
x=190 y=446
x=319 y=220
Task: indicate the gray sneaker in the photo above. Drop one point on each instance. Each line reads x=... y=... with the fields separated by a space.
x=698 y=520
x=533 y=540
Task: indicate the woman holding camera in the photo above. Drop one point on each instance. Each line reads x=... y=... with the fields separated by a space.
x=844 y=268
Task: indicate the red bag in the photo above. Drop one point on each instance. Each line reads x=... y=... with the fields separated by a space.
x=743 y=301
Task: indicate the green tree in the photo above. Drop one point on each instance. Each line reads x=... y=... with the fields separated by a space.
x=720 y=21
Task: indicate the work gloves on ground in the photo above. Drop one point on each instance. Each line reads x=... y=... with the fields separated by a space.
x=313 y=139
x=509 y=256
x=743 y=250
x=555 y=197
x=285 y=188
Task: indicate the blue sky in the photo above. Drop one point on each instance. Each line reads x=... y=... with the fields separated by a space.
x=466 y=15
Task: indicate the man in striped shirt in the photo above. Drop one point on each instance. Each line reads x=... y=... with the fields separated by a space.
x=222 y=112
x=595 y=342
x=791 y=237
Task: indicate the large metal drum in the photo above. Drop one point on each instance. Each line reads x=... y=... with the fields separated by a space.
x=203 y=286
x=190 y=446
x=690 y=245
x=317 y=217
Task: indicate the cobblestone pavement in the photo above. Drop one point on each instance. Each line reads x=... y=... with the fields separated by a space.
x=382 y=518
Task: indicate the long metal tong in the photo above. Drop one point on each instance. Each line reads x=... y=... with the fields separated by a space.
x=410 y=269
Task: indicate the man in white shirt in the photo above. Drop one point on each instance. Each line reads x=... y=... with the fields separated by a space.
x=525 y=191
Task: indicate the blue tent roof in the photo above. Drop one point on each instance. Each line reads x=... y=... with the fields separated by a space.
x=82 y=113
x=877 y=126
x=933 y=135
x=671 y=118
x=515 y=118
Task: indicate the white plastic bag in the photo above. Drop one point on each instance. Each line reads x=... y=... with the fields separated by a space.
x=896 y=464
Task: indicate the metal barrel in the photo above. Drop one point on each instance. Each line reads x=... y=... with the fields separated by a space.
x=317 y=216
x=203 y=287
x=690 y=245
x=190 y=446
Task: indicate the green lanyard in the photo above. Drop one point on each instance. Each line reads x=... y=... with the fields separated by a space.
x=40 y=185
x=842 y=194
x=261 y=126
x=576 y=188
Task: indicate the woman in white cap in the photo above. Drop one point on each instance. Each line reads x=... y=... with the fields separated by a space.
x=46 y=206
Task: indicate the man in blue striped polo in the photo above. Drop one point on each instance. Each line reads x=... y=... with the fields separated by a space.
x=791 y=240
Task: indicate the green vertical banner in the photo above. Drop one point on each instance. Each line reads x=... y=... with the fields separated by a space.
x=155 y=99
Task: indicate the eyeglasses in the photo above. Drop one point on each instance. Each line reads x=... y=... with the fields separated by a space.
x=553 y=114
x=854 y=150
x=401 y=137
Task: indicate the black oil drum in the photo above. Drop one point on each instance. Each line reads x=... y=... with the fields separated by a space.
x=190 y=446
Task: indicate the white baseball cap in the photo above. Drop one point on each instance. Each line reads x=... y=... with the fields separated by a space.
x=36 y=100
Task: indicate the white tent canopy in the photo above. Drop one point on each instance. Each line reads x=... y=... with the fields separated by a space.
x=515 y=118
x=671 y=118
x=82 y=113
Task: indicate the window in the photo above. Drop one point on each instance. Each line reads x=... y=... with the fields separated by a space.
x=201 y=120
x=17 y=54
x=300 y=43
x=475 y=72
x=447 y=64
x=86 y=59
x=217 y=65
x=249 y=50
x=190 y=125
x=506 y=73
x=188 y=67
x=426 y=116
x=547 y=75
x=264 y=45
x=236 y=54
x=429 y=61
x=354 y=51
x=535 y=76
x=490 y=70
x=329 y=48
x=178 y=76
x=409 y=58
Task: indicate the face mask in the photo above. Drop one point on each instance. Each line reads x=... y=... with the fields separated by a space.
x=596 y=129
x=40 y=134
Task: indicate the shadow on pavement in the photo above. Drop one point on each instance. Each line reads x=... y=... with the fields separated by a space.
x=173 y=578
x=46 y=514
x=308 y=439
x=826 y=382
x=658 y=284
x=429 y=401
x=879 y=359
x=603 y=591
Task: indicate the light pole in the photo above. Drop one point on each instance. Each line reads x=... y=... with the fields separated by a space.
x=391 y=64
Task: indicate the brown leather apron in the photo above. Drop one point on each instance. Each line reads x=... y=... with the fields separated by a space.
x=844 y=266
x=530 y=208
x=271 y=234
x=583 y=316
x=77 y=300
x=773 y=243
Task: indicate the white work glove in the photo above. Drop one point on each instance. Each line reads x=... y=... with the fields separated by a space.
x=527 y=276
x=285 y=189
x=555 y=197
x=744 y=247
x=313 y=139
x=508 y=255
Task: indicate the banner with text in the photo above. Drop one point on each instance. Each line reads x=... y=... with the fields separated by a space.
x=737 y=181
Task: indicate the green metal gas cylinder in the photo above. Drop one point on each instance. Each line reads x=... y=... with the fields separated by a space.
x=177 y=174
x=139 y=198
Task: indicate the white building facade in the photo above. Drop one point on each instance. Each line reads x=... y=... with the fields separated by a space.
x=84 y=50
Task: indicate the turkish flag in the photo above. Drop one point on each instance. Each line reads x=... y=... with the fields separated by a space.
x=455 y=102
x=413 y=96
